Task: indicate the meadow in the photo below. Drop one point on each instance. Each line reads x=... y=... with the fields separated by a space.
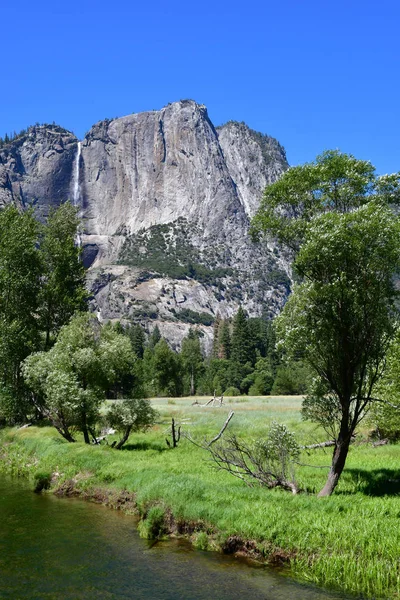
x=349 y=541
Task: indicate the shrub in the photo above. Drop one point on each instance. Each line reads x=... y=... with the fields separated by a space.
x=232 y=391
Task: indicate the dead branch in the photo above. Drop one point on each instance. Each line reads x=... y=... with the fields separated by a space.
x=241 y=461
x=321 y=445
x=225 y=425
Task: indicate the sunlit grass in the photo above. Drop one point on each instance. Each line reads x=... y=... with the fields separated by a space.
x=349 y=541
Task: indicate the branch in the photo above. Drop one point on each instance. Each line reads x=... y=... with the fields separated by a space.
x=225 y=425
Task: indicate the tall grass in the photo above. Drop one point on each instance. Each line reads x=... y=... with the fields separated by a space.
x=350 y=541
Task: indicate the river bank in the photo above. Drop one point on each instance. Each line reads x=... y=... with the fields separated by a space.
x=49 y=544
x=348 y=542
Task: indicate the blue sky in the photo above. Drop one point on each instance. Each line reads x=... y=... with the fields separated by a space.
x=313 y=74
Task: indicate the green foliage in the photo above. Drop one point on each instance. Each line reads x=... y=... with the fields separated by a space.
x=385 y=414
x=201 y=541
x=334 y=213
x=166 y=249
x=231 y=391
x=278 y=450
x=224 y=340
x=41 y=285
x=262 y=379
x=63 y=289
x=20 y=281
x=42 y=481
x=291 y=378
x=138 y=339
x=166 y=370
x=335 y=182
x=242 y=346
x=71 y=378
x=192 y=359
x=129 y=416
x=153 y=526
x=195 y=318
x=339 y=542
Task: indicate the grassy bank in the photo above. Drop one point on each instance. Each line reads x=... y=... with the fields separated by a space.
x=350 y=541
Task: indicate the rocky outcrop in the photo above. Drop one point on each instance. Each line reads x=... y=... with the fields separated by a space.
x=254 y=160
x=166 y=201
x=36 y=168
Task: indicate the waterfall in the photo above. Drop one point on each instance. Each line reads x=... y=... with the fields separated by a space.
x=76 y=190
x=76 y=187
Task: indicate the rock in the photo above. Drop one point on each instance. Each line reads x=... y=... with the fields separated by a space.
x=166 y=201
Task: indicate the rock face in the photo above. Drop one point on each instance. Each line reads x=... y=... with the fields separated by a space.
x=36 y=168
x=166 y=200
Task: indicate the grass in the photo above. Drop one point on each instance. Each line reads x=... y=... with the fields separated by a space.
x=349 y=541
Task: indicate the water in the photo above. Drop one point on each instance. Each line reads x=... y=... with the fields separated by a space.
x=61 y=549
x=76 y=187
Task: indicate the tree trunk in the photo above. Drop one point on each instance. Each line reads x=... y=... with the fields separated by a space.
x=65 y=433
x=124 y=438
x=338 y=461
x=85 y=430
x=192 y=382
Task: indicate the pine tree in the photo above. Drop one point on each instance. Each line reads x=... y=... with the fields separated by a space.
x=138 y=339
x=154 y=338
x=242 y=346
x=224 y=340
x=217 y=324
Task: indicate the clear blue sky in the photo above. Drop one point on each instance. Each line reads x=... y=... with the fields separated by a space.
x=314 y=74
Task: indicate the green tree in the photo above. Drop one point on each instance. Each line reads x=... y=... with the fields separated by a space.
x=154 y=337
x=166 y=369
x=20 y=280
x=138 y=339
x=385 y=414
x=334 y=215
x=341 y=318
x=130 y=415
x=216 y=327
x=63 y=289
x=335 y=182
x=69 y=381
x=242 y=345
x=192 y=358
x=224 y=340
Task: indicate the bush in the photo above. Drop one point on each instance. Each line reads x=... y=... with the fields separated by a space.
x=232 y=391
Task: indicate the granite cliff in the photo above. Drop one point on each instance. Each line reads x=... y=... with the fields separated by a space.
x=166 y=199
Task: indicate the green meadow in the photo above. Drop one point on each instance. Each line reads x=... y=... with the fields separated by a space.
x=349 y=541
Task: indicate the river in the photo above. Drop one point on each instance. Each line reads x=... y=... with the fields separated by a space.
x=63 y=549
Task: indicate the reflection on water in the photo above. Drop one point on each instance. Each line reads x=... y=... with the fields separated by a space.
x=61 y=549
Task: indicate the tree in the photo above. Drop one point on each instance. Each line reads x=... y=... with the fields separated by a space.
x=63 y=289
x=131 y=415
x=341 y=318
x=242 y=346
x=385 y=415
x=216 y=327
x=69 y=381
x=138 y=339
x=154 y=337
x=224 y=340
x=20 y=280
x=334 y=216
x=192 y=358
x=335 y=182
x=166 y=369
